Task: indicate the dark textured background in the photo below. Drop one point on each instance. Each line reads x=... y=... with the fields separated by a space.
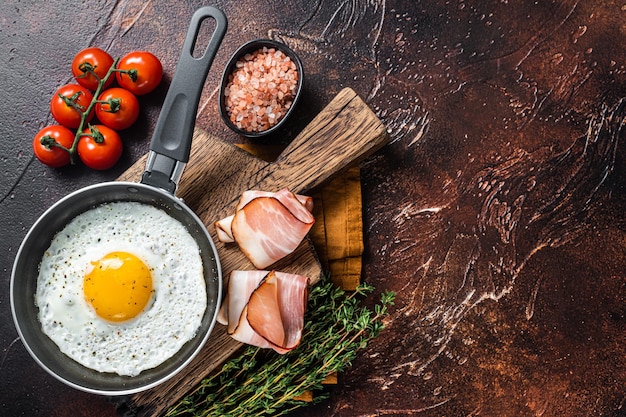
x=496 y=211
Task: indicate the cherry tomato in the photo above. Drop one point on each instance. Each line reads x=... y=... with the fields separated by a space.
x=121 y=109
x=145 y=73
x=92 y=61
x=101 y=149
x=46 y=145
x=68 y=103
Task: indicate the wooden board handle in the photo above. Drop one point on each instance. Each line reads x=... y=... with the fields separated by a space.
x=344 y=133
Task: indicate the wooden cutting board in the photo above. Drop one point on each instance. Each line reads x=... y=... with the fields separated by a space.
x=342 y=134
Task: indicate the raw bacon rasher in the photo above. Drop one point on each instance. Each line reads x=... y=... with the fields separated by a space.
x=267 y=226
x=265 y=308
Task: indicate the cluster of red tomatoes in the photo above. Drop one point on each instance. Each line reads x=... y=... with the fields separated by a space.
x=91 y=111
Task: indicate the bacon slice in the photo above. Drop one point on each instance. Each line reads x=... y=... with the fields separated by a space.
x=267 y=226
x=264 y=313
x=223 y=229
x=266 y=309
x=241 y=285
x=250 y=195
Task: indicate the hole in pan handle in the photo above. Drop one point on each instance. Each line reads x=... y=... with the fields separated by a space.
x=171 y=141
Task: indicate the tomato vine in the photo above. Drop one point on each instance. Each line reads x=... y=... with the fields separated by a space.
x=74 y=106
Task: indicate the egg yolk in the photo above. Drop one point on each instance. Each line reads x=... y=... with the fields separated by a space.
x=118 y=287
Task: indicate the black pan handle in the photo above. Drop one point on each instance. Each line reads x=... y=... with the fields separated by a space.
x=171 y=141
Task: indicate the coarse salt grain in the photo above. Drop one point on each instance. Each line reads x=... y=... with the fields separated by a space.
x=261 y=89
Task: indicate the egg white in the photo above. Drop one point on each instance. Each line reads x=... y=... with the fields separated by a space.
x=166 y=324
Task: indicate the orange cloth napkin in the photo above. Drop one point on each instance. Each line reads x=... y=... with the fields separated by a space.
x=338 y=230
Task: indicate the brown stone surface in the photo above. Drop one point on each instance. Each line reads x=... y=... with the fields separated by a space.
x=496 y=211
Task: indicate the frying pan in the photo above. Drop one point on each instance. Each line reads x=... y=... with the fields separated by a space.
x=169 y=151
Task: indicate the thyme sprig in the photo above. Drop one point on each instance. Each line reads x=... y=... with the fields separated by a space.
x=260 y=382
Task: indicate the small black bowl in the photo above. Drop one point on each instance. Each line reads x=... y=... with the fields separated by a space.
x=247 y=48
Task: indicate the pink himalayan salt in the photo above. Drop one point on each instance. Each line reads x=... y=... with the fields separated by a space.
x=261 y=89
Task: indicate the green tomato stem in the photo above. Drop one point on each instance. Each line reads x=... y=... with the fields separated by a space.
x=85 y=113
x=71 y=101
x=132 y=73
x=50 y=142
x=115 y=104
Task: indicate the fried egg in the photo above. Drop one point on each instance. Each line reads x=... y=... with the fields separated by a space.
x=121 y=288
